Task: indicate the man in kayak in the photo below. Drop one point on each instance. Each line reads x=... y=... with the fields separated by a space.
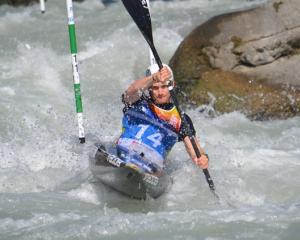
x=152 y=124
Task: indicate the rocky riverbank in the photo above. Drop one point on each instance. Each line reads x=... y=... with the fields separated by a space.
x=245 y=61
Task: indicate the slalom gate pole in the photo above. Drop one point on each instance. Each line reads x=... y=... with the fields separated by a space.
x=73 y=48
x=42 y=5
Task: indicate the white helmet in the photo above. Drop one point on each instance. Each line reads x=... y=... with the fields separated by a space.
x=155 y=68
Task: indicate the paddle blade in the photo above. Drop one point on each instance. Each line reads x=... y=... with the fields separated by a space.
x=139 y=11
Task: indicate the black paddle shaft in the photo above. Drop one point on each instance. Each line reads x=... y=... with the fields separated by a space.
x=192 y=139
x=139 y=11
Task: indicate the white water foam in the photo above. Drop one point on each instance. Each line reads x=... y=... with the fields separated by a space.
x=254 y=164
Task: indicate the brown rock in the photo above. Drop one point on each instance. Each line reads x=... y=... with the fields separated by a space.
x=234 y=92
x=257 y=54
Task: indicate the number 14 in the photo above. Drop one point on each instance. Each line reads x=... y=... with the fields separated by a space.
x=154 y=138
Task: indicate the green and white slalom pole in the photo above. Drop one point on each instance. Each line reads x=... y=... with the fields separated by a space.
x=42 y=5
x=73 y=47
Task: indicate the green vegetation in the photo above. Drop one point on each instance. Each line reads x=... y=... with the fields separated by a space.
x=276 y=5
x=237 y=41
x=234 y=92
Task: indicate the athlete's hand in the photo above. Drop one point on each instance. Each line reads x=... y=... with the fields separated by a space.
x=202 y=161
x=162 y=75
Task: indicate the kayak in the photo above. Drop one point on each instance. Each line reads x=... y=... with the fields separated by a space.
x=131 y=178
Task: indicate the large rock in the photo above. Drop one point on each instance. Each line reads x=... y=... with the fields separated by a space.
x=260 y=46
x=228 y=91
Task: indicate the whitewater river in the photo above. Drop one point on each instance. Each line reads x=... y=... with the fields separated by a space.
x=46 y=188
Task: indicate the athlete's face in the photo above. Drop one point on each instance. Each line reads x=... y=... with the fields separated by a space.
x=160 y=93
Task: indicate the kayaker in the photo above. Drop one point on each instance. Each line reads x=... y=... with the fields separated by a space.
x=151 y=123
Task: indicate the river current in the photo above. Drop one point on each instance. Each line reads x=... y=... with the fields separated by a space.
x=46 y=188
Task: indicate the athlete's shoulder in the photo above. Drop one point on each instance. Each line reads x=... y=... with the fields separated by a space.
x=143 y=100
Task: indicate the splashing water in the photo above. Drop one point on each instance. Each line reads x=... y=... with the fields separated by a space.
x=47 y=191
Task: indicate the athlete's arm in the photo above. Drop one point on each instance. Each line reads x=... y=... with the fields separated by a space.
x=135 y=90
x=187 y=129
x=202 y=161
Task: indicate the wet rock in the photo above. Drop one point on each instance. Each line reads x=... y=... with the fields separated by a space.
x=221 y=57
x=260 y=46
x=227 y=91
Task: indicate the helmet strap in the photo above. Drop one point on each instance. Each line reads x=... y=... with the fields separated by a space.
x=170 y=84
